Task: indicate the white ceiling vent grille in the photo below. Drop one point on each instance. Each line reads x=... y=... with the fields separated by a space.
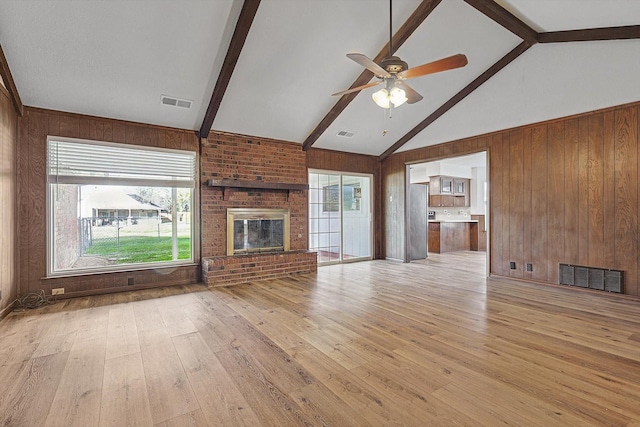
x=346 y=134
x=175 y=102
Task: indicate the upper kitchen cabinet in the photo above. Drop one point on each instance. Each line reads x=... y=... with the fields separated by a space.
x=446 y=191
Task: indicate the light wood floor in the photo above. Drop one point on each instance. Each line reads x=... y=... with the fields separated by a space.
x=430 y=343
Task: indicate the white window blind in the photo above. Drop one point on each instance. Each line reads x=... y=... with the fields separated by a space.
x=86 y=162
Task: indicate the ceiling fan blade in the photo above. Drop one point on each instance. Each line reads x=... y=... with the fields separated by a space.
x=412 y=95
x=355 y=89
x=449 y=63
x=368 y=64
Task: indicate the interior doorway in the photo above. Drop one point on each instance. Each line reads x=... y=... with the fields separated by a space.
x=457 y=206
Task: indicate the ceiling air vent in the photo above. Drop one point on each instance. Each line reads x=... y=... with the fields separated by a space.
x=346 y=134
x=175 y=102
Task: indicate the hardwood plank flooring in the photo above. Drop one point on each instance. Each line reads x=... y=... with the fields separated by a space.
x=363 y=344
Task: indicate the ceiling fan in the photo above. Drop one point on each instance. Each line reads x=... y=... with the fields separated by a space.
x=393 y=71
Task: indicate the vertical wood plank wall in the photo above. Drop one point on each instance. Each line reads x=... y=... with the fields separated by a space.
x=357 y=163
x=562 y=191
x=9 y=278
x=33 y=129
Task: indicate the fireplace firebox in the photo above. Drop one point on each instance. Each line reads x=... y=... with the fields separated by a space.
x=252 y=230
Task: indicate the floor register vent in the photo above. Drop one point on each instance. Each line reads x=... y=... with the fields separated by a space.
x=590 y=277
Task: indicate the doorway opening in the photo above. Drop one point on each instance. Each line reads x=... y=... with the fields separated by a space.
x=448 y=207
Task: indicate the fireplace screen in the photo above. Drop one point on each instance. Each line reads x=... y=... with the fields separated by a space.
x=257 y=230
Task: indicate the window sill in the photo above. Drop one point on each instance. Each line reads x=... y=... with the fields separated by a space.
x=130 y=269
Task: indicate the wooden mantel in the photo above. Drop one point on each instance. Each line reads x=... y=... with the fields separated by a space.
x=255 y=185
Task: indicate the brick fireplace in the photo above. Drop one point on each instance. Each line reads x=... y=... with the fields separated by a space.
x=255 y=174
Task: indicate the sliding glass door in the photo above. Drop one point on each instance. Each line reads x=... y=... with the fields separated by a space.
x=340 y=226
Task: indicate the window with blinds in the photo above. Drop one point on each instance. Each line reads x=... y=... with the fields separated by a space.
x=77 y=162
x=113 y=206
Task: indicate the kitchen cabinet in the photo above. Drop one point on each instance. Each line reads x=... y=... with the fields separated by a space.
x=449 y=192
x=441 y=200
x=478 y=234
x=450 y=236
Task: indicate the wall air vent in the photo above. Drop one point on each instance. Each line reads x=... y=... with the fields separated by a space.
x=346 y=134
x=175 y=102
x=603 y=279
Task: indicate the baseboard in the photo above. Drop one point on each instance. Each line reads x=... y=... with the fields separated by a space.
x=8 y=309
x=119 y=289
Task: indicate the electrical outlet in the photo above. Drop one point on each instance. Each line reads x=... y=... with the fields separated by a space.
x=130 y=281
x=512 y=265
x=57 y=291
x=529 y=267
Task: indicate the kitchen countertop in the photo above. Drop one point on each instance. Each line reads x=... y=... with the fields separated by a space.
x=453 y=220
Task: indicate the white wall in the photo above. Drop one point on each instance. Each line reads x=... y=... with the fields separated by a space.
x=478 y=178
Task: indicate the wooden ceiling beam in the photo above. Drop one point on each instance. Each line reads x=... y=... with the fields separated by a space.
x=490 y=72
x=591 y=34
x=245 y=20
x=505 y=18
x=417 y=17
x=7 y=78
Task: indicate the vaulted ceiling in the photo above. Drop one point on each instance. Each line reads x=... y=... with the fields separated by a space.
x=267 y=68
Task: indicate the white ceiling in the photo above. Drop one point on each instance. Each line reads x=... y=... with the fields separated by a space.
x=116 y=58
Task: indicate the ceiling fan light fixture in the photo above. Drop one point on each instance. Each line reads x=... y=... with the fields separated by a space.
x=381 y=98
x=397 y=96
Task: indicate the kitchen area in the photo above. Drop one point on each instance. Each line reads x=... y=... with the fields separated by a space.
x=448 y=206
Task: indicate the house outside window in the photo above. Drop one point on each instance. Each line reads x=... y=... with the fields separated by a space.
x=117 y=206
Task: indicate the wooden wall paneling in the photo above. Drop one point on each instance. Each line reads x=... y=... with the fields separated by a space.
x=539 y=241
x=506 y=217
x=497 y=209
x=608 y=197
x=636 y=111
x=596 y=191
x=13 y=248
x=582 y=213
x=526 y=198
x=626 y=196
x=9 y=258
x=150 y=137
x=6 y=172
x=96 y=130
x=555 y=200
x=37 y=201
x=23 y=183
x=344 y=162
x=52 y=121
x=134 y=136
x=107 y=131
x=393 y=203
x=69 y=126
x=6 y=207
x=85 y=128
x=516 y=202
x=572 y=208
x=172 y=140
x=118 y=132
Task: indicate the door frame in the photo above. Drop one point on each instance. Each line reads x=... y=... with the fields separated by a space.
x=407 y=199
x=371 y=214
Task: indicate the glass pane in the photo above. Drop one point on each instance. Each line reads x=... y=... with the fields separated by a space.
x=97 y=226
x=324 y=206
x=340 y=214
x=356 y=201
